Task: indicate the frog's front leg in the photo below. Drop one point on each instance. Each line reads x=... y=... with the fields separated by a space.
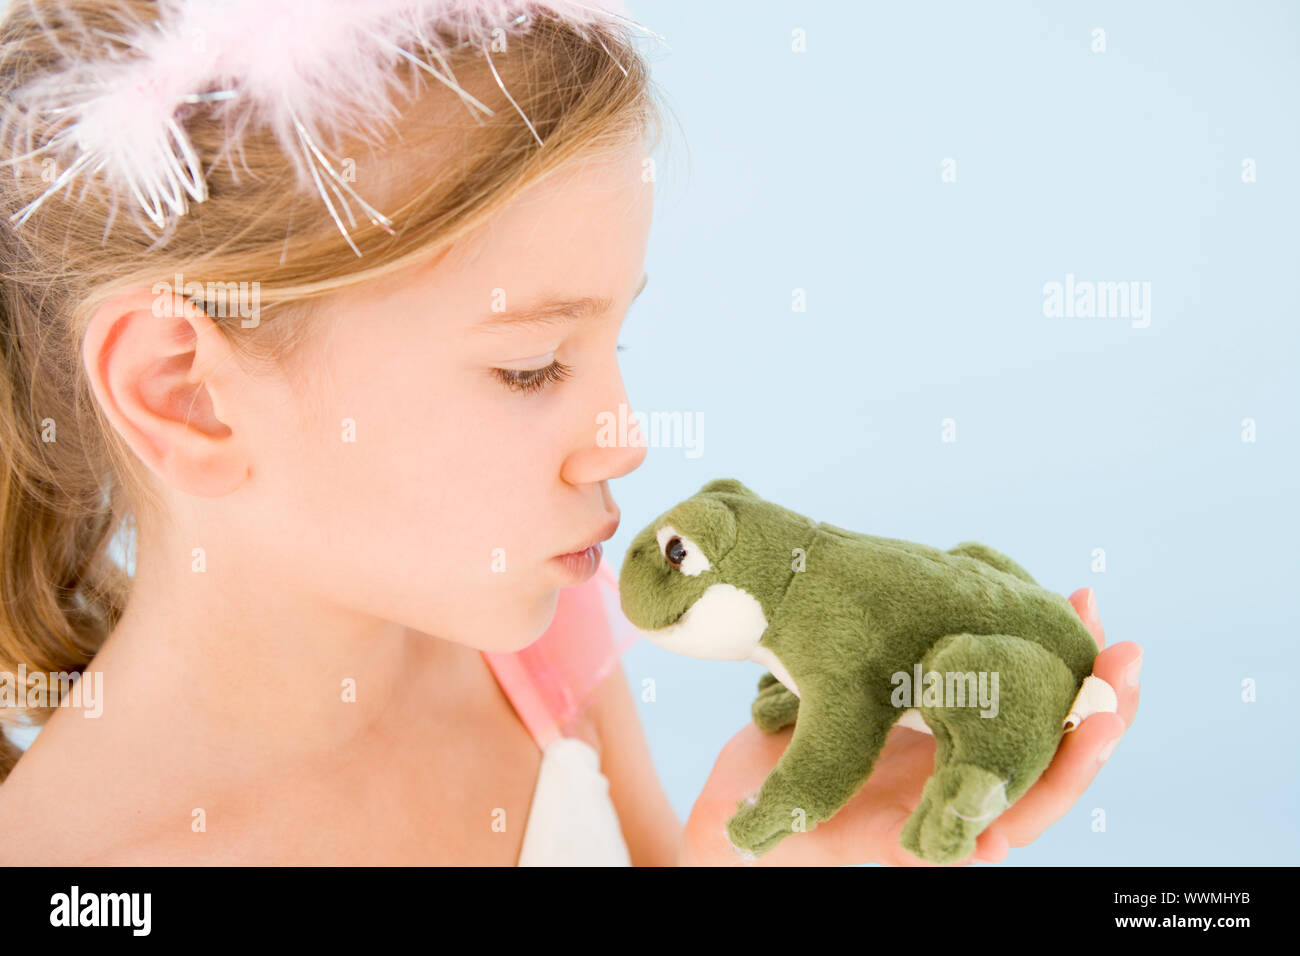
x=829 y=758
x=775 y=707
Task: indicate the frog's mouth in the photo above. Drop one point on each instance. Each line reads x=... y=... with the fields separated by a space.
x=724 y=624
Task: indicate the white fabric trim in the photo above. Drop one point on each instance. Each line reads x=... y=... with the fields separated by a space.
x=572 y=820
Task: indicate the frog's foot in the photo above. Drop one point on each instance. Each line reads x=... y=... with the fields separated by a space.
x=958 y=802
x=757 y=826
x=1094 y=697
x=746 y=855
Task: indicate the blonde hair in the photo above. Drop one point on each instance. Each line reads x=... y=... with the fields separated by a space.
x=68 y=484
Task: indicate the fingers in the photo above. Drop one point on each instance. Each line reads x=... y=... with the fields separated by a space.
x=1076 y=763
x=1085 y=605
x=991 y=846
x=1120 y=666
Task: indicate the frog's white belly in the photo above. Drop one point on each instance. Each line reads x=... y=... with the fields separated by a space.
x=724 y=624
x=764 y=656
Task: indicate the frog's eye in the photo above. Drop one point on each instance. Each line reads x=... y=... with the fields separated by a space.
x=681 y=552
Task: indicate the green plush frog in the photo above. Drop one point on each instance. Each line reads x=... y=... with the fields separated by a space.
x=859 y=633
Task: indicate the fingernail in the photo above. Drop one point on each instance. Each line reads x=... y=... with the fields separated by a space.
x=1107 y=750
x=1092 y=604
x=1131 y=675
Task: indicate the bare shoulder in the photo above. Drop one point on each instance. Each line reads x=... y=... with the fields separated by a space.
x=47 y=819
x=82 y=796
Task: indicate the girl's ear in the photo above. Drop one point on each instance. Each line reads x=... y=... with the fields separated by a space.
x=159 y=367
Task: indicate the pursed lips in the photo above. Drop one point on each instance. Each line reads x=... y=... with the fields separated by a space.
x=604 y=534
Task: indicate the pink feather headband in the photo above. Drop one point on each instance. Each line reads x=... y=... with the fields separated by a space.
x=305 y=68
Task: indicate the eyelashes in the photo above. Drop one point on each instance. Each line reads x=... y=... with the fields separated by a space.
x=535 y=379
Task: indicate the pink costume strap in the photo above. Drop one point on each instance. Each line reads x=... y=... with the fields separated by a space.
x=550 y=682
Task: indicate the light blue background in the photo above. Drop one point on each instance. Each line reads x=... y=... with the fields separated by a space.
x=821 y=171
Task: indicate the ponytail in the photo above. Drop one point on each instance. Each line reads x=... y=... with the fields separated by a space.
x=60 y=591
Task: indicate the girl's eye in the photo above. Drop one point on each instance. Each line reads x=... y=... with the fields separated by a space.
x=530 y=380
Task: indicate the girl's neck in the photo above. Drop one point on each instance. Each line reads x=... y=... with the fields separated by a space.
x=246 y=660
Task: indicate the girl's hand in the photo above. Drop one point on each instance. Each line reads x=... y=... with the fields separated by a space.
x=867 y=828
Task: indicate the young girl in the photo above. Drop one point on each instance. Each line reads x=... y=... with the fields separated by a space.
x=362 y=499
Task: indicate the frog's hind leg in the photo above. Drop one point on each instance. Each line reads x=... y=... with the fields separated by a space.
x=983 y=764
x=994 y=559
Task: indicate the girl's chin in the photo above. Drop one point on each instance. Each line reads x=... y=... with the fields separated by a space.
x=513 y=630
